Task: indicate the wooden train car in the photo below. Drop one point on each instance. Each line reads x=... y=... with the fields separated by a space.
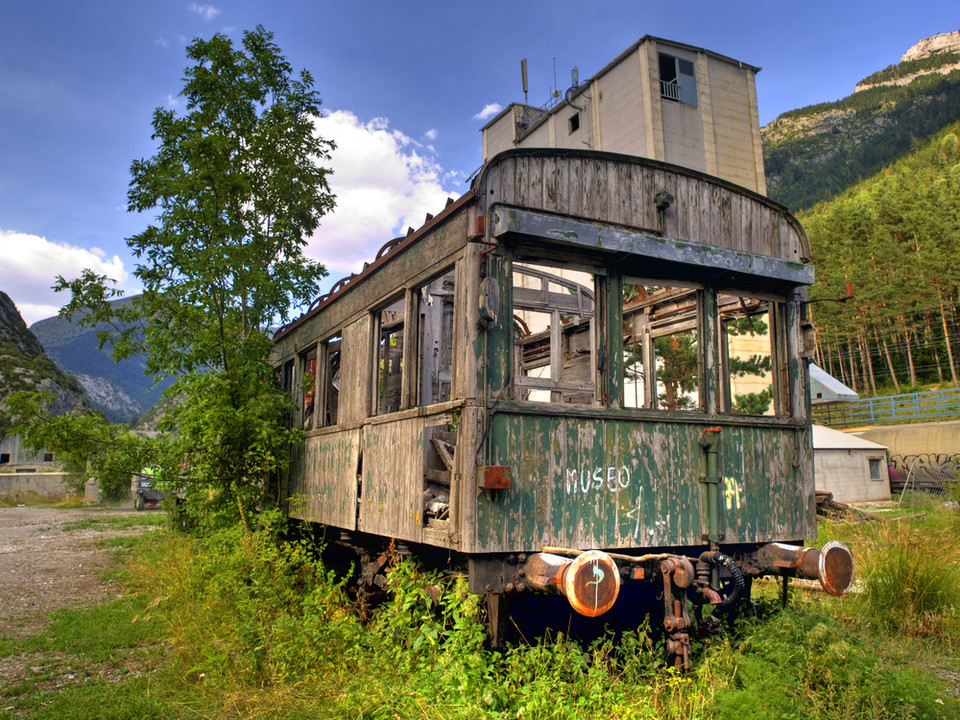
x=588 y=371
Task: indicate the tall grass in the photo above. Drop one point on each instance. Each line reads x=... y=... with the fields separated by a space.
x=252 y=626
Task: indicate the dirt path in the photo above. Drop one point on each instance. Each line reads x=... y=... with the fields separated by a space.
x=43 y=568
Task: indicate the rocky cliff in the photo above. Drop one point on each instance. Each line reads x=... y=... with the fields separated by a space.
x=25 y=366
x=939 y=43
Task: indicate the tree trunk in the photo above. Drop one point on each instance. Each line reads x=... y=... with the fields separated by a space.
x=853 y=366
x=866 y=360
x=932 y=344
x=902 y=321
x=882 y=338
x=946 y=337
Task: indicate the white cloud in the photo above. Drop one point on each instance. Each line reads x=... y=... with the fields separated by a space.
x=30 y=267
x=384 y=182
x=207 y=12
x=431 y=134
x=488 y=111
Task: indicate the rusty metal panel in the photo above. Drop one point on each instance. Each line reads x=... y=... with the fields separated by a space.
x=323 y=485
x=612 y=481
x=391 y=503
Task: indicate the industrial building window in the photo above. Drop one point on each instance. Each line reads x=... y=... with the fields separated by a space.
x=48 y=457
x=389 y=382
x=677 y=80
x=574 y=123
x=554 y=336
x=661 y=346
x=875 y=468
x=4 y=458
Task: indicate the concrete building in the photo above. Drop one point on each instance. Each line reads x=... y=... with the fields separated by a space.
x=853 y=469
x=658 y=99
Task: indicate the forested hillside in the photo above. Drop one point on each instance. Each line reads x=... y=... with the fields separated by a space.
x=815 y=152
x=896 y=237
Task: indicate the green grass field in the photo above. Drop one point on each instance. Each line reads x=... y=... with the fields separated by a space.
x=239 y=625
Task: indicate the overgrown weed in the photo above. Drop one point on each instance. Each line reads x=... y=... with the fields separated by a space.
x=256 y=626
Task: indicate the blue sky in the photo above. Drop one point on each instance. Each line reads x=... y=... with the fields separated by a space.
x=404 y=87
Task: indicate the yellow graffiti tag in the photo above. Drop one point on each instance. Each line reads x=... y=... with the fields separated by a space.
x=731 y=491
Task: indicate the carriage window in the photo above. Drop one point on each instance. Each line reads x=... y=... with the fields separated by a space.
x=554 y=336
x=435 y=339
x=748 y=332
x=308 y=366
x=329 y=381
x=389 y=358
x=661 y=346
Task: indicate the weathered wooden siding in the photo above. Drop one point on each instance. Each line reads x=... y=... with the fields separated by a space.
x=620 y=190
x=392 y=479
x=613 y=482
x=323 y=479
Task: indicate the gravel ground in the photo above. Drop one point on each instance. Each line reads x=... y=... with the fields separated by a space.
x=43 y=568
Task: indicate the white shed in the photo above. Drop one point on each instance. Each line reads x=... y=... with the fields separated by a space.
x=853 y=469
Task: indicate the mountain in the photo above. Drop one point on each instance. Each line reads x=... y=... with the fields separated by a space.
x=120 y=390
x=813 y=153
x=25 y=366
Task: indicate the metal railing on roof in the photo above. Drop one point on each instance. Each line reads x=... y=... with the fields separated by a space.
x=913 y=407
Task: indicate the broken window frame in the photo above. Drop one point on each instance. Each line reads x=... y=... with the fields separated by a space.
x=544 y=301
x=682 y=309
x=328 y=377
x=307 y=390
x=435 y=303
x=389 y=338
x=776 y=318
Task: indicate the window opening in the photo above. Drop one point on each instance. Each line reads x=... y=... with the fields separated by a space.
x=554 y=335
x=390 y=358
x=749 y=350
x=875 y=468
x=330 y=381
x=309 y=389
x=435 y=339
x=677 y=79
x=48 y=457
x=4 y=458
x=574 y=123
x=661 y=346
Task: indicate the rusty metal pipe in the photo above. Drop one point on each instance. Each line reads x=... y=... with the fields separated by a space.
x=590 y=581
x=833 y=565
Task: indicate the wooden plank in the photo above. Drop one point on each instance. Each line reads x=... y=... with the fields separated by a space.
x=355 y=375
x=392 y=484
x=324 y=488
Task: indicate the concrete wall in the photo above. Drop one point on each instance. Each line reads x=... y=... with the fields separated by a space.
x=846 y=473
x=25 y=486
x=917 y=438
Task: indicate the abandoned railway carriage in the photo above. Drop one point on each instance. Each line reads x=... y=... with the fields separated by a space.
x=588 y=371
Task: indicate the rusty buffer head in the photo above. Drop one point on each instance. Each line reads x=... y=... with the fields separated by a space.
x=591 y=583
x=836 y=568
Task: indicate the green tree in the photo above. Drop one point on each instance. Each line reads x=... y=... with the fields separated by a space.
x=86 y=445
x=238 y=187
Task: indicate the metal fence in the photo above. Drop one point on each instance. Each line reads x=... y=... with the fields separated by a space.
x=929 y=473
x=930 y=405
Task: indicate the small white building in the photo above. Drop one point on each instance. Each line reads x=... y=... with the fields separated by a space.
x=853 y=469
